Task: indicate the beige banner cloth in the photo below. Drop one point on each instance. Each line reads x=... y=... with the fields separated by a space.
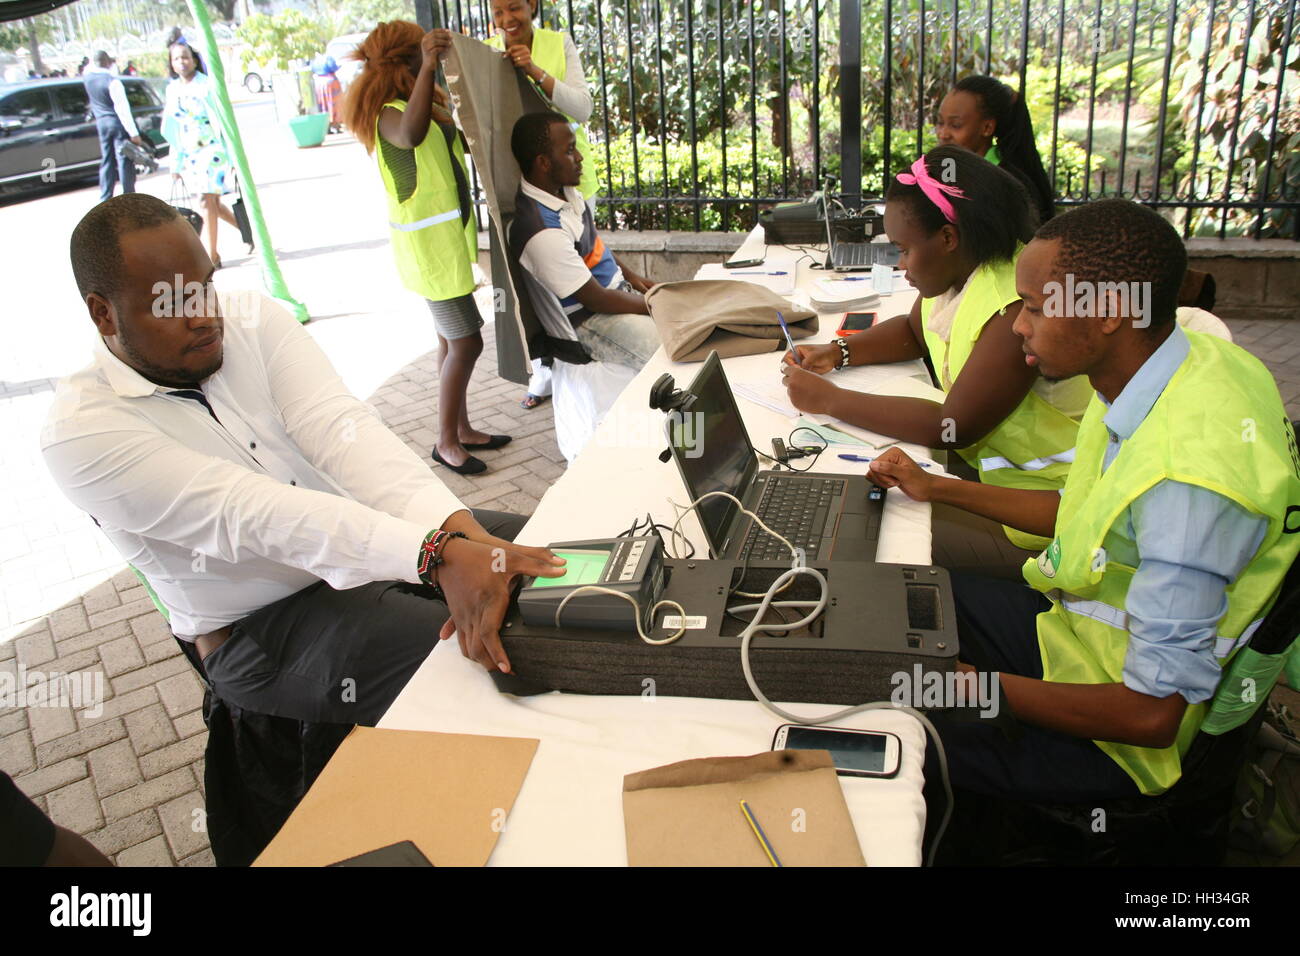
x=489 y=96
x=695 y=317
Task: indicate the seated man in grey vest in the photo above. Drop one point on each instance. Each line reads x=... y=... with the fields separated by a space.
x=308 y=560
x=580 y=290
x=115 y=123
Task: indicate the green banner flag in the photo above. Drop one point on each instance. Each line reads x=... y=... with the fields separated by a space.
x=272 y=279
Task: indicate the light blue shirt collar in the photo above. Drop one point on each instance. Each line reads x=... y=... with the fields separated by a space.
x=1134 y=403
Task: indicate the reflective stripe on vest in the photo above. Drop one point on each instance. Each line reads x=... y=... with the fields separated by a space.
x=1225 y=646
x=1038 y=464
x=1097 y=611
x=1118 y=619
x=426 y=223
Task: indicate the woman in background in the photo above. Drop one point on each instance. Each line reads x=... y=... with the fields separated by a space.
x=991 y=119
x=198 y=152
x=329 y=91
x=397 y=111
x=550 y=60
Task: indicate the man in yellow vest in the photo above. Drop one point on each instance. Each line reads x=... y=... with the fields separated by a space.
x=1170 y=539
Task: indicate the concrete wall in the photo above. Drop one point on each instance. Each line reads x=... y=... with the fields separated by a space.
x=1254 y=279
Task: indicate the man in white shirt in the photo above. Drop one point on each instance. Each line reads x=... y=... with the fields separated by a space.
x=115 y=123
x=572 y=276
x=296 y=543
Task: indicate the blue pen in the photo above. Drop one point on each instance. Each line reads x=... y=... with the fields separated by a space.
x=923 y=464
x=760 y=273
x=789 y=341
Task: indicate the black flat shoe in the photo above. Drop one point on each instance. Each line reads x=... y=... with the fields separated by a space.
x=472 y=466
x=495 y=441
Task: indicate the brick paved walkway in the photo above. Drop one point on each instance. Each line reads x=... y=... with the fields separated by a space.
x=131 y=779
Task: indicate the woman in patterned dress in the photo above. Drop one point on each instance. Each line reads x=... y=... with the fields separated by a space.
x=199 y=154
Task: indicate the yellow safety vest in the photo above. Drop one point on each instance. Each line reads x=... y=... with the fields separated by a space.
x=548 y=53
x=433 y=247
x=1219 y=424
x=1033 y=446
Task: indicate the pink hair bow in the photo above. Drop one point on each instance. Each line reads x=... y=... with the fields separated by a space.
x=934 y=190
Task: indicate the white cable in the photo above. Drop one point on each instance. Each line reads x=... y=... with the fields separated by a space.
x=636 y=607
x=683 y=511
x=747 y=636
x=687 y=509
x=783 y=580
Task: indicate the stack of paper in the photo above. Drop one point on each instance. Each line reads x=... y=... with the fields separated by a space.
x=843 y=295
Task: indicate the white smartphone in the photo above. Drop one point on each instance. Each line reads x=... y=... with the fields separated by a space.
x=856 y=753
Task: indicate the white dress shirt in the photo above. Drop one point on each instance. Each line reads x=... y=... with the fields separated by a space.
x=293 y=480
x=571 y=96
x=117 y=93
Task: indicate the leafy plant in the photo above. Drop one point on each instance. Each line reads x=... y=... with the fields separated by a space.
x=276 y=41
x=1231 y=134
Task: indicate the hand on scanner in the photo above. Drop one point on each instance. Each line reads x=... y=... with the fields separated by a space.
x=476 y=576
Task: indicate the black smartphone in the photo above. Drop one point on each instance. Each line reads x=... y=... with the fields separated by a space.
x=741 y=263
x=405 y=853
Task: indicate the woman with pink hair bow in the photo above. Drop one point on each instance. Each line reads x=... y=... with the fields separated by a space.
x=960 y=223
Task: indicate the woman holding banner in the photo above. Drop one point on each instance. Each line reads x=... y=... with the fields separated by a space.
x=550 y=59
x=399 y=113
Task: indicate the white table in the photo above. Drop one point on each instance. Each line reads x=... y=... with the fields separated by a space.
x=569 y=811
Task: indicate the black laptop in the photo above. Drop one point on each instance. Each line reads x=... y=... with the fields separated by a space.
x=855 y=256
x=829 y=516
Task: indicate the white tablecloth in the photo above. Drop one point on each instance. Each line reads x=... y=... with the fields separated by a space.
x=569 y=811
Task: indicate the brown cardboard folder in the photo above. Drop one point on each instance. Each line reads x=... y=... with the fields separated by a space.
x=447 y=793
x=688 y=814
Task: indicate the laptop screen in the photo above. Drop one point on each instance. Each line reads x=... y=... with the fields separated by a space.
x=830 y=234
x=713 y=450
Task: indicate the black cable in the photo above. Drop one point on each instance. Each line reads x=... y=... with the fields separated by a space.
x=812 y=452
x=649 y=526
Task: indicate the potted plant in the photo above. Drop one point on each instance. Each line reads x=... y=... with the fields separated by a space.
x=284 y=42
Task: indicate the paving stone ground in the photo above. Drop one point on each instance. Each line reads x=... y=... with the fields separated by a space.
x=131 y=777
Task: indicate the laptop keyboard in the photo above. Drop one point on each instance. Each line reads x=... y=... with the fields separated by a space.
x=797 y=509
x=864 y=254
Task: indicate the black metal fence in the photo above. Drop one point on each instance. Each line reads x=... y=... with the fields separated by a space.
x=706 y=111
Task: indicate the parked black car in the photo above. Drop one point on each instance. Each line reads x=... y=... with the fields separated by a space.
x=47 y=132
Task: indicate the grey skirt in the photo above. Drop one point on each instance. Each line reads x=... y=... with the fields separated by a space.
x=456 y=318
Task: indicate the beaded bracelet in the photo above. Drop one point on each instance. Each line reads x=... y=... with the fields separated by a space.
x=844 y=352
x=435 y=542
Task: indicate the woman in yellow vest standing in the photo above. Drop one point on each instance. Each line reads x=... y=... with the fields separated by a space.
x=960 y=223
x=398 y=112
x=550 y=60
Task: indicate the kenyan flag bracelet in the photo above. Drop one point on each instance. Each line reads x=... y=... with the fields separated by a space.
x=435 y=542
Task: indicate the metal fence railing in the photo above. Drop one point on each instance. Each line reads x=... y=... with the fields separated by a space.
x=706 y=111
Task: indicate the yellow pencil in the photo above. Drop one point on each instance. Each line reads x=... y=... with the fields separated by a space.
x=758 y=832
